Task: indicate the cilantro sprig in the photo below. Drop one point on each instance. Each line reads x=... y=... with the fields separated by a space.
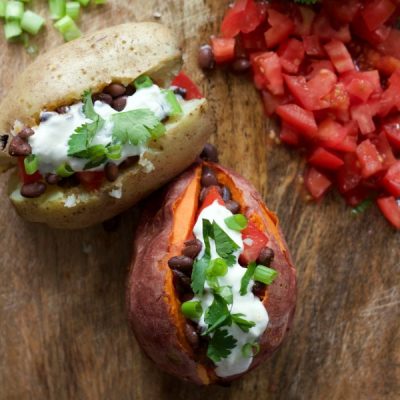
x=220 y=346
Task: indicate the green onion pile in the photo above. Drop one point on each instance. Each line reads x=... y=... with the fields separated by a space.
x=19 y=22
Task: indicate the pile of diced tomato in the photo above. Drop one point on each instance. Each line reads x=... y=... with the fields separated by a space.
x=331 y=73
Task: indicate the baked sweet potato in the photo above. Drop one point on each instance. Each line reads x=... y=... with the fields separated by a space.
x=154 y=293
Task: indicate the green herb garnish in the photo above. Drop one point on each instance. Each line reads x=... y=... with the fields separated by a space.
x=226 y=293
x=224 y=245
x=220 y=345
x=217 y=315
x=361 y=207
x=242 y=323
x=244 y=284
x=265 y=275
x=237 y=222
x=217 y=267
x=250 y=349
x=192 y=309
x=31 y=164
x=142 y=82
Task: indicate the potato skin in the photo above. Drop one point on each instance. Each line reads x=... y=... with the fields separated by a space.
x=151 y=316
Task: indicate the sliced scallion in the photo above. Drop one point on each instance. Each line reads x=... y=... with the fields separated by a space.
x=72 y=9
x=142 y=82
x=236 y=222
x=217 y=267
x=12 y=30
x=114 y=152
x=67 y=27
x=176 y=109
x=265 y=275
x=31 y=164
x=32 y=22
x=192 y=309
x=250 y=349
x=14 y=10
x=57 y=9
x=64 y=170
x=98 y=2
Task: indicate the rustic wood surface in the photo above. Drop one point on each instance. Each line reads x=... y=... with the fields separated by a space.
x=63 y=329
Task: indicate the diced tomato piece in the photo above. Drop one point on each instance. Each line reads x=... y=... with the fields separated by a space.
x=330 y=133
x=211 y=196
x=338 y=99
x=312 y=46
x=357 y=195
x=300 y=90
x=299 y=118
x=339 y=55
x=349 y=175
x=316 y=66
x=363 y=115
x=325 y=159
x=23 y=176
x=390 y=208
x=254 y=41
x=343 y=12
x=254 y=241
x=269 y=66
x=360 y=89
x=289 y=136
x=291 y=54
x=368 y=158
x=391 y=180
x=321 y=85
x=377 y=12
x=316 y=183
x=304 y=21
x=385 y=151
x=361 y=85
x=324 y=30
x=192 y=90
x=223 y=49
x=271 y=102
x=392 y=130
x=90 y=180
x=281 y=27
x=390 y=45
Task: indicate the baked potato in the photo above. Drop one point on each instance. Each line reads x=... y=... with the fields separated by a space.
x=96 y=124
x=212 y=287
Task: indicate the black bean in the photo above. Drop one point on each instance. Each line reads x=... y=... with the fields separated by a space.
x=129 y=162
x=103 y=97
x=111 y=171
x=208 y=178
x=32 y=190
x=209 y=153
x=52 y=179
x=112 y=224
x=192 y=248
x=205 y=57
x=205 y=190
x=226 y=193
x=232 y=206
x=181 y=282
x=240 y=65
x=62 y=109
x=130 y=90
x=115 y=90
x=26 y=132
x=192 y=336
x=3 y=141
x=258 y=289
x=119 y=103
x=180 y=91
x=266 y=256
x=181 y=263
x=19 y=147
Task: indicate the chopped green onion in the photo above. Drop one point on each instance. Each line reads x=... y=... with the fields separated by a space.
x=237 y=222
x=31 y=164
x=362 y=207
x=114 y=152
x=84 y=2
x=176 y=109
x=142 y=82
x=192 y=309
x=57 y=9
x=31 y=22
x=265 y=275
x=2 y=8
x=67 y=27
x=226 y=293
x=12 y=30
x=64 y=170
x=14 y=10
x=157 y=131
x=250 y=349
x=72 y=9
x=100 y=1
x=217 y=267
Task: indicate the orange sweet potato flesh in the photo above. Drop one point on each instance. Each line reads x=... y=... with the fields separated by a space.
x=153 y=306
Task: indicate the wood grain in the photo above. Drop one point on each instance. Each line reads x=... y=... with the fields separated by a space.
x=63 y=332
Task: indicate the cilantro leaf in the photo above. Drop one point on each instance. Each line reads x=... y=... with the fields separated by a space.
x=136 y=126
x=207 y=234
x=226 y=293
x=224 y=245
x=88 y=107
x=244 y=283
x=242 y=323
x=220 y=345
x=217 y=315
x=199 y=275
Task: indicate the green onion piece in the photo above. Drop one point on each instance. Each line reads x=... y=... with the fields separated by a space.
x=361 y=207
x=237 y=222
x=217 y=267
x=31 y=22
x=67 y=27
x=143 y=82
x=114 y=152
x=2 y=8
x=57 y=9
x=100 y=2
x=158 y=131
x=31 y=164
x=265 y=275
x=14 y=10
x=64 y=170
x=226 y=293
x=176 y=109
x=84 y=3
x=72 y=9
x=192 y=309
x=250 y=349
x=12 y=30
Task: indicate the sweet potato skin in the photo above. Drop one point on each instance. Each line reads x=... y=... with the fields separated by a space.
x=149 y=310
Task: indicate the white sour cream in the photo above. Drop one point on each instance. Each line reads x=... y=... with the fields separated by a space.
x=50 y=141
x=249 y=305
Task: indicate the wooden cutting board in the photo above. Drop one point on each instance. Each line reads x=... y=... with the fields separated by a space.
x=63 y=329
